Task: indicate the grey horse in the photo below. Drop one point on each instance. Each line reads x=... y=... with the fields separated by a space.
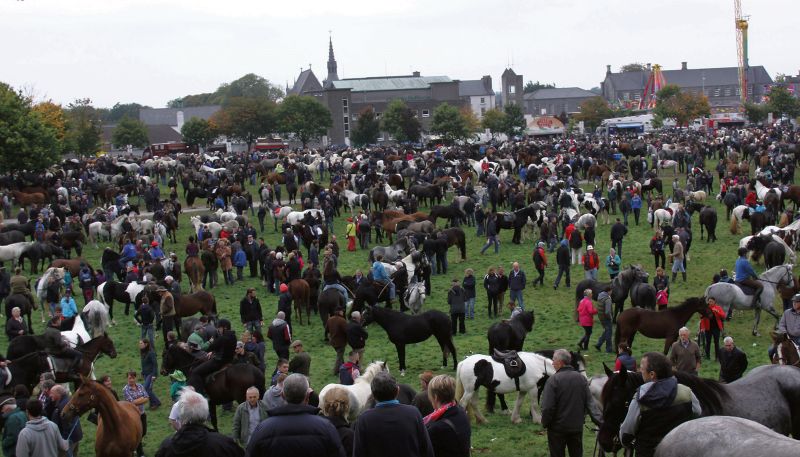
x=725 y=436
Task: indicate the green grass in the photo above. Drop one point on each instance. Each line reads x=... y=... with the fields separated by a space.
x=554 y=326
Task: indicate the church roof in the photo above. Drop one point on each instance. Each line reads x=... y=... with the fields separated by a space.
x=389 y=83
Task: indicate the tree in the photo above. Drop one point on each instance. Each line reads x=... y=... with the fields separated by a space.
x=633 y=66
x=671 y=103
x=593 y=111
x=53 y=116
x=515 y=121
x=494 y=120
x=367 y=128
x=471 y=121
x=783 y=103
x=755 y=113
x=531 y=86
x=27 y=141
x=83 y=128
x=303 y=116
x=448 y=123
x=400 y=122
x=246 y=119
x=198 y=132
x=129 y=132
x=120 y=110
x=248 y=86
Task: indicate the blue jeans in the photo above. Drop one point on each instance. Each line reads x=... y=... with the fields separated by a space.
x=148 y=387
x=253 y=326
x=606 y=336
x=516 y=296
x=470 y=308
x=492 y=240
x=147 y=332
x=591 y=274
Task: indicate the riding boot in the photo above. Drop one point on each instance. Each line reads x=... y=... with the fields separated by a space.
x=684 y=276
x=674 y=275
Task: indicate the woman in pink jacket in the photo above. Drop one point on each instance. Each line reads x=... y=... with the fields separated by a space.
x=586 y=312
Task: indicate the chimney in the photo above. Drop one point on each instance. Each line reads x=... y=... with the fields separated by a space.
x=648 y=67
x=608 y=69
x=180 y=119
x=683 y=66
x=487 y=83
x=415 y=74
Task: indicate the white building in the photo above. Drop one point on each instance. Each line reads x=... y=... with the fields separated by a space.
x=478 y=93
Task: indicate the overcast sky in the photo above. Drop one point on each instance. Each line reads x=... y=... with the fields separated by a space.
x=150 y=51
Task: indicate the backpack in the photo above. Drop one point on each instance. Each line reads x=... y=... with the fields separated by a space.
x=85 y=277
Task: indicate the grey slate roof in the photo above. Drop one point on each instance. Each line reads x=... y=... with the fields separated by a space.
x=725 y=76
x=473 y=87
x=559 y=92
x=155 y=134
x=169 y=116
x=389 y=83
x=306 y=81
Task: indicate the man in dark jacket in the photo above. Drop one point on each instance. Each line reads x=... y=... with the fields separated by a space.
x=220 y=352
x=618 y=232
x=285 y=304
x=491 y=234
x=295 y=429
x=337 y=337
x=70 y=430
x=250 y=311
x=193 y=438
x=456 y=300
x=732 y=362
x=565 y=401
x=280 y=335
x=356 y=333
x=516 y=284
x=390 y=429
x=563 y=260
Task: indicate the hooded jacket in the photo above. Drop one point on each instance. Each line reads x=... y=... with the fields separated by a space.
x=195 y=440
x=40 y=438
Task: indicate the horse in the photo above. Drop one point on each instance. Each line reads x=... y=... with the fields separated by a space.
x=13 y=252
x=91 y=350
x=25 y=306
x=708 y=220
x=665 y=164
x=457 y=237
x=517 y=220
x=196 y=302
x=728 y=295
x=328 y=302
x=73 y=265
x=210 y=266
x=119 y=428
x=738 y=214
x=96 y=317
x=228 y=384
x=414 y=297
x=453 y=215
x=403 y=329
x=123 y=292
x=510 y=334
x=391 y=253
x=301 y=292
x=724 y=436
x=26 y=369
x=14 y=236
x=596 y=287
x=481 y=370
x=652 y=184
x=786 y=352
x=195 y=272
x=38 y=252
x=359 y=392
x=768 y=395
x=657 y=324
x=632 y=281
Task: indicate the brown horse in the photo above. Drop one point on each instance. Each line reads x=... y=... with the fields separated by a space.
x=28 y=199
x=119 y=428
x=73 y=265
x=597 y=171
x=276 y=178
x=301 y=291
x=194 y=269
x=793 y=195
x=785 y=351
x=657 y=324
x=197 y=302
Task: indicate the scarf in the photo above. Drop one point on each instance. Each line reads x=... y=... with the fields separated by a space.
x=382 y=404
x=437 y=413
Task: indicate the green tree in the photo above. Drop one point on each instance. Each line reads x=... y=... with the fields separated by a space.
x=367 y=128
x=198 y=132
x=448 y=123
x=399 y=120
x=531 y=86
x=53 y=115
x=303 y=116
x=83 y=128
x=130 y=132
x=471 y=121
x=494 y=120
x=633 y=66
x=671 y=103
x=755 y=113
x=27 y=142
x=246 y=119
x=783 y=103
x=593 y=111
x=120 y=110
x=515 y=120
x=248 y=86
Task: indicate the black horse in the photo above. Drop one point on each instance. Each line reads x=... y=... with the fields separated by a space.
x=516 y=221
x=26 y=370
x=631 y=282
x=11 y=237
x=452 y=214
x=508 y=335
x=426 y=192
x=210 y=263
x=38 y=252
x=110 y=264
x=708 y=220
x=457 y=237
x=403 y=329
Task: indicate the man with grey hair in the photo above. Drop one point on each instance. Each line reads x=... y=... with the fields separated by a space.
x=685 y=353
x=356 y=333
x=295 y=429
x=390 y=429
x=248 y=415
x=565 y=401
x=732 y=361
x=194 y=438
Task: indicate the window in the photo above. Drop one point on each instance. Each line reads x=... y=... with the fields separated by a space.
x=626 y=96
x=637 y=96
x=380 y=138
x=426 y=113
x=344 y=103
x=727 y=91
x=378 y=115
x=512 y=89
x=347 y=126
x=483 y=111
x=483 y=100
x=716 y=92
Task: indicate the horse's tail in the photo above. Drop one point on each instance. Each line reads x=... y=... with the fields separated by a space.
x=616 y=334
x=214 y=305
x=459 y=385
x=734 y=224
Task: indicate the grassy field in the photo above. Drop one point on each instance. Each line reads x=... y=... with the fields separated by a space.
x=554 y=326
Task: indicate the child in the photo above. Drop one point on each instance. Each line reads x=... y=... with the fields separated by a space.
x=624 y=358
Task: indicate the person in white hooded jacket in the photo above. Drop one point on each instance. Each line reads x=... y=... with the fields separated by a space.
x=40 y=437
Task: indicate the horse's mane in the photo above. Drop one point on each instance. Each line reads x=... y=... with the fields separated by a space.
x=372 y=369
x=710 y=393
x=98 y=316
x=689 y=302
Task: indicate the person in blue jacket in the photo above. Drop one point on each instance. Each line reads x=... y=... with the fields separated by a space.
x=746 y=275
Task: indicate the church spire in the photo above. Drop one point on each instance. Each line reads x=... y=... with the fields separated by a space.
x=332 y=67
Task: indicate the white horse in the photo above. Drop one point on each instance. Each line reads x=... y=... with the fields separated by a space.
x=354 y=199
x=537 y=367
x=41 y=286
x=225 y=216
x=213 y=227
x=737 y=216
x=295 y=217
x=78 y=335
x=359 y=392
x=97 y=318
x=658 y=217
x=697 y=196
x=762 y=190
x=13 y=251
x=585 y=221
x=728 y=295
x=665 y=164
x=415 y=296
x=395 y=195
x=97 y=229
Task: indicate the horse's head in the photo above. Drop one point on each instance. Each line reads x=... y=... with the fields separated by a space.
x=367 y=316
x=107 y=346
x=85 y=398
x=615 y=398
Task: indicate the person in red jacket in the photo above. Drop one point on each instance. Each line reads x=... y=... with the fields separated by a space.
x=711 y=325
x=586 y=312
x=751 y=199
x=591 y=262
x=540 y=262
